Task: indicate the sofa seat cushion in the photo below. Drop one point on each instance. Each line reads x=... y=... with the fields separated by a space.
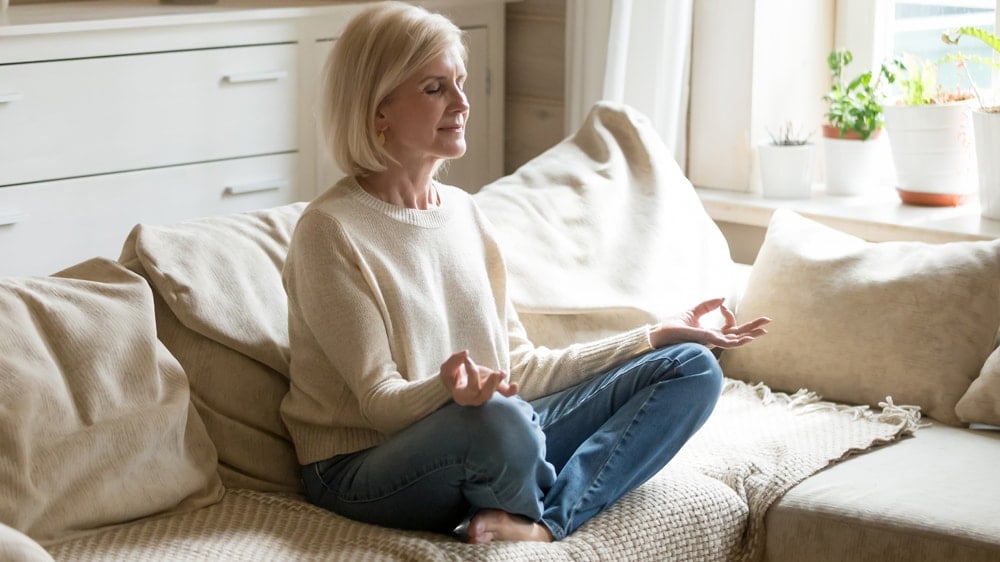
x=933 y=496
x=708 y=504
x=247 y=525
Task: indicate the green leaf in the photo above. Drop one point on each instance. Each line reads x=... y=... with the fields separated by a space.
x=985 y=36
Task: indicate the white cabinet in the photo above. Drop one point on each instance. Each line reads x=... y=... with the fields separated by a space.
x=116 y=113
x=94 y=115
x=48 y=223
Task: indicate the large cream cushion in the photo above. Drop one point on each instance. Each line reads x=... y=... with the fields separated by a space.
x=603 y=232
x=858 y=322
x=222 y=311
x=96 y=423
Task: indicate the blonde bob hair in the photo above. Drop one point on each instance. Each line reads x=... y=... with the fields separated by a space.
x=379 y=49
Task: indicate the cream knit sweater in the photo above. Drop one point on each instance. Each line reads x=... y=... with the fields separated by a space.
x=380 y=295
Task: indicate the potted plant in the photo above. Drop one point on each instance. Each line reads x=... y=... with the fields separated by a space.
x=931 y=137
x=854 y=121
x=986 y=122
x=786 y=163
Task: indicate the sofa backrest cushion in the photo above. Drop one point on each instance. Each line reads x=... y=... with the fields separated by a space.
x=96 y=423
x=857 y=321
x=223 y=313
x=603 y=232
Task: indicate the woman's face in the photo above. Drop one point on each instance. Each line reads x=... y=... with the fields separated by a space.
x=424 y=117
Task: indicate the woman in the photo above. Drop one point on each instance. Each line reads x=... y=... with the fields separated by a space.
x=416 y=401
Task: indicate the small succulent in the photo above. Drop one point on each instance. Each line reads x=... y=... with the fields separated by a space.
x=789 y=135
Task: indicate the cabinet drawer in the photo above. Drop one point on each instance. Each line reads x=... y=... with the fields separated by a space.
x=71 y=118
x=48 y=226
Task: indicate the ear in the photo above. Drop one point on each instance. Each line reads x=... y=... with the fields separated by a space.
x=381 y=119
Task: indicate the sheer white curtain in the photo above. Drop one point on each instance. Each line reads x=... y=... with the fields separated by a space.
x=636 y=52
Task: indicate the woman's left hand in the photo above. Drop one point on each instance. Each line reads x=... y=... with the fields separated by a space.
x=686 y=327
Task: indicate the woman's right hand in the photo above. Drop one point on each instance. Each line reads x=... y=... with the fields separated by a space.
x=470 y=384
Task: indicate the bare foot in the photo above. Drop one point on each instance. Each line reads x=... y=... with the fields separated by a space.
x=490 y=525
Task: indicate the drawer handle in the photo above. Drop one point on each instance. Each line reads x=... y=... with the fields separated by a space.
x=11 y=216
x=7 y=97
x=245 y=77
x=255 y=187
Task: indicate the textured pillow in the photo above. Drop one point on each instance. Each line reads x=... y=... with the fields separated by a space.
x=981 y=403
x=857 y=321
x=604 y=231
x=222 y=312
x=96 y=423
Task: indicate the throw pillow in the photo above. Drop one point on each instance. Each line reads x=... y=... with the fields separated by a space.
x=981 y=403
x=223 y=313
x=96 y=423
x=857 y=321
x=603 y=229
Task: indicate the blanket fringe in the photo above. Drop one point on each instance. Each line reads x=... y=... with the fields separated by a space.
x=804 y=401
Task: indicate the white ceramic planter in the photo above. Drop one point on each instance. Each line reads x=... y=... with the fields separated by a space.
x=786 y=172
x=853 y=166
x=933 y=150
x=987 y=126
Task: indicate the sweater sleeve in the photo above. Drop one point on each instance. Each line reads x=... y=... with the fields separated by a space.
x=339 y=305
x=540 y=371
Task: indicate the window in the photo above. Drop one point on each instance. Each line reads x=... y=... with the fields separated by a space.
x=916 y=29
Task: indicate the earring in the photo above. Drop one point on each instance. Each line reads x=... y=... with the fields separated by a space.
x=380 y=137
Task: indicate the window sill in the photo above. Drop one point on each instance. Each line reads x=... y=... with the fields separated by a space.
x=878 y=217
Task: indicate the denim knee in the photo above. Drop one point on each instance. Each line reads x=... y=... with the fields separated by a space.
x=507 y=429
x=697 y=361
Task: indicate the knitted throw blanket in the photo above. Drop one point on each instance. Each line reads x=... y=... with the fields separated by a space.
x=708 y=504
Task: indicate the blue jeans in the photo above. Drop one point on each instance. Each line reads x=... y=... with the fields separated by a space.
x=558 y=460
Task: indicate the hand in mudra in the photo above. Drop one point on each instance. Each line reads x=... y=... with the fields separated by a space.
x=686 y=327
x=470 y=384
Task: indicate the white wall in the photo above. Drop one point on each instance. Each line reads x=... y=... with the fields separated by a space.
x=755 y=65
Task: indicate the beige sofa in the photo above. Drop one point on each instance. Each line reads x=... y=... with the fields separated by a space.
x=140 y=396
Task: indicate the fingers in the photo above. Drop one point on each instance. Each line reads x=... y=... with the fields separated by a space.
x=452 y=374
x=488 y=384
x=473 y=374
x=470 y=384
x=736 y=339
x=748 y=327
x=728 y=315
x=452 y=363
x=507 y=389
x=705 y=307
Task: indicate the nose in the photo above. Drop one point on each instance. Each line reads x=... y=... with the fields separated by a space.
x=459 y=101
